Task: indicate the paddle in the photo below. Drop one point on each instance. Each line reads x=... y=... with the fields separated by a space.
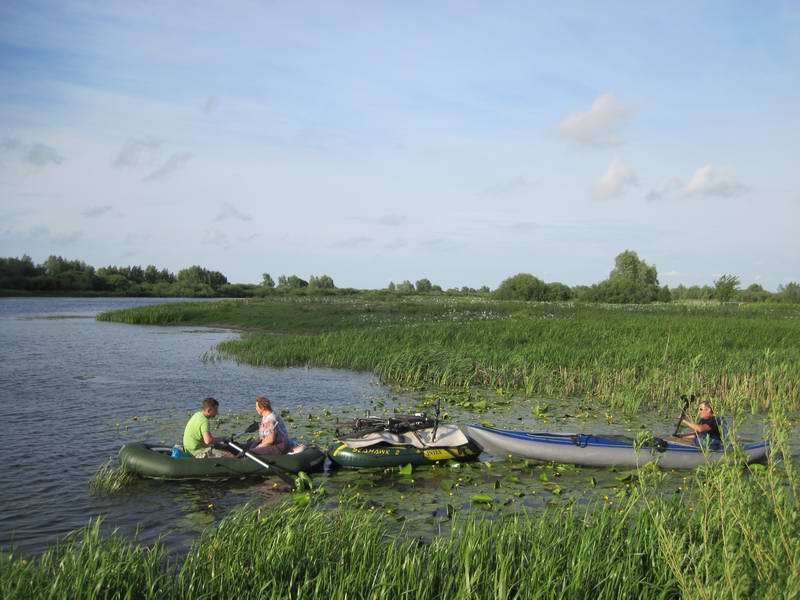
x=683 y=414
x=436 y=420
x=280 y=472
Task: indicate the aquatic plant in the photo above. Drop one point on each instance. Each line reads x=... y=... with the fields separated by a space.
x=620 y=356
x=730 y=533
x=110 y=478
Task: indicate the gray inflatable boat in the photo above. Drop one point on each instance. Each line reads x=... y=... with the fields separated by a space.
x=601 y=451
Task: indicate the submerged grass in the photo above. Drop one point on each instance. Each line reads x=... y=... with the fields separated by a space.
x=747 y=357
x=109 y=478
x=734 y=533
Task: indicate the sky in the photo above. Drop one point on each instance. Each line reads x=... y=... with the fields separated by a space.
x=459 y=141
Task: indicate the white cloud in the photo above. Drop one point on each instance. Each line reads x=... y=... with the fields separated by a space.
x=616 y=179
x=707 y=181
x=138 y=152
x=229 y=211
x=352 y=242
x=670 y=274
x=393 y=220
x=395 y=244
x=513 y=186
x=34 y=153
x=521 y=226
x=136 y=238
x=10 y=144
x=41 y=155
x=596 y=126
x=42 y=233
x=668 y=188
x=171 y=165
x=96 y=211
x=212 y=103
x=214 y=237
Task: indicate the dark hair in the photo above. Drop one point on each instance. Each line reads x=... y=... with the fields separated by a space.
x=264 y=403
x=210 y=403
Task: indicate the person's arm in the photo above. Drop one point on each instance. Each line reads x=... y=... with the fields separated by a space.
x=208 y=439
x=697 y=427
x=269 y=437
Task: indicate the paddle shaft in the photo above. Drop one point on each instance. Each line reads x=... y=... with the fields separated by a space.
x=282 y=473
x=683 y=414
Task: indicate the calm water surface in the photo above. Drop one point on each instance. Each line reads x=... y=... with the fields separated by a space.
x=73 y=390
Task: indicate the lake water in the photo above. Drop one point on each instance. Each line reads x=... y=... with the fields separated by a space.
x=73 y=390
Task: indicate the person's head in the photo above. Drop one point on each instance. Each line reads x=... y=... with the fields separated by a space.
x=705 y=409
x=263 y=405
x=210 y=407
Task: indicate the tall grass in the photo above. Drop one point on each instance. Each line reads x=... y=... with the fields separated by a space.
x=732 y=532
x=620 y=356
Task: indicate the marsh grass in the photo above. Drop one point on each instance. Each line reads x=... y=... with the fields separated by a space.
x=730 y=532
x=620 y=357
x=110 y=478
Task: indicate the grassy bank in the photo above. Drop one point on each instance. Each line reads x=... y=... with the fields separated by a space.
x=729 y=532
x=621 y=356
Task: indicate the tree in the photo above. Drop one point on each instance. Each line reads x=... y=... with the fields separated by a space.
x=557 y=291
x=522 y=286
x=632 y=281
x=151 y=274
x=292 y=282
x=198 y=275
x=406 y=287
x=754 y=293
x=789 y=292
x=630 y=268
x=391 y=286
x=725 y=287
x=323 y=282
x=267 y=281
x=424 y=285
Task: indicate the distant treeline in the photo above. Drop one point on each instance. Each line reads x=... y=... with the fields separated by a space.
x=632 y=281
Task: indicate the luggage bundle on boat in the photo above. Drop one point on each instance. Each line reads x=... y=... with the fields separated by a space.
x=400 y=440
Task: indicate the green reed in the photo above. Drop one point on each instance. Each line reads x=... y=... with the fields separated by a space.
x=109 y=478
x=619 y=356
x=732 y=532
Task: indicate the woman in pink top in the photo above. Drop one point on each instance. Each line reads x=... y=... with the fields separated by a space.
x=273 y=437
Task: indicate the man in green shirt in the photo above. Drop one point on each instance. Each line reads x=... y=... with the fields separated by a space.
x=197 y=439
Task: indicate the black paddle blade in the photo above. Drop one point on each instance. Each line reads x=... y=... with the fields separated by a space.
x=253 y=427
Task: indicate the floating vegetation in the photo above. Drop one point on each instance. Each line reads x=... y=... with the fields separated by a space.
x=110 y=478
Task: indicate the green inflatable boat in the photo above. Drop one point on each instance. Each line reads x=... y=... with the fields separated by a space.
x=389 y=455
x=156 y=461
x=382 y=448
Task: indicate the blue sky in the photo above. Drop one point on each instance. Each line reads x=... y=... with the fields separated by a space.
x=382 y=141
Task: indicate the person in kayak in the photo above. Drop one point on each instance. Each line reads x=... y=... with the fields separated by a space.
x=707 y=428
x=273 y=437
x=197 y=438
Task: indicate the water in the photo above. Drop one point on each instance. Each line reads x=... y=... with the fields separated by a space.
x=73 y=390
